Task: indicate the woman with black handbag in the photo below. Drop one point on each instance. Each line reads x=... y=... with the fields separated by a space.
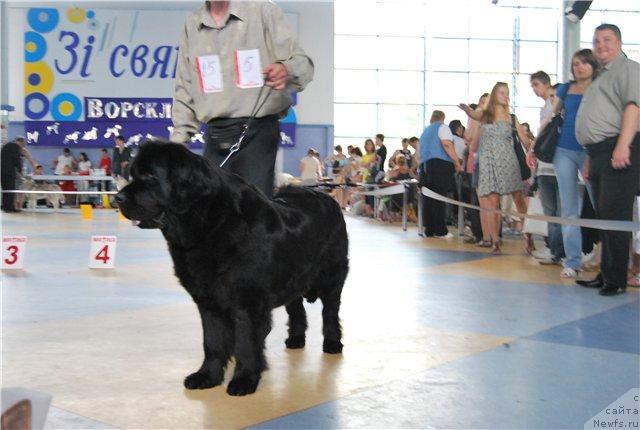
x=500 y=171
x=568 y=156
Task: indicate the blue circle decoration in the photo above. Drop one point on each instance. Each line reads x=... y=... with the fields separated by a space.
x=34 y=79
x=43 y=20
x=66 y=97
x=36 y=106
x=90 y=14
x=91 y=39
x=31 y=37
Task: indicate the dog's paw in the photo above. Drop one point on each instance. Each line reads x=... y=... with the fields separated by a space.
x=295 y=342
x=200 y=381
x=332 y=346
x=243 y=385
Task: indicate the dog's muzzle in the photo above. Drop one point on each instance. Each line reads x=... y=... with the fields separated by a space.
x=156 y=222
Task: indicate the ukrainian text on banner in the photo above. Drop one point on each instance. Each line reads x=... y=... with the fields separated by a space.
x=91 y=73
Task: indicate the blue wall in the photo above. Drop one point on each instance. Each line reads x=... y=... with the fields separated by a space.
x=319 y=137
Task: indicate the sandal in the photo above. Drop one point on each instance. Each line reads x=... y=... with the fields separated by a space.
x=528 y=245
x=591 y=267
x=495 y=248
x=634 y=281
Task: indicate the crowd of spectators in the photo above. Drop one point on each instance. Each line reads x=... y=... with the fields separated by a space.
x=482 y=161
x=19 y=167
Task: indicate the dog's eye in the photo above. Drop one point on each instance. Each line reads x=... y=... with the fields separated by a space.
x=146 y=177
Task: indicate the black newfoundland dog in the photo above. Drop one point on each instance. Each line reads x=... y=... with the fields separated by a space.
x=239 y=255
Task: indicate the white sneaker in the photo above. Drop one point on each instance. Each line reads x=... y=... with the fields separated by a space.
x=569 y=273
x=542 y=254
x=446 y=236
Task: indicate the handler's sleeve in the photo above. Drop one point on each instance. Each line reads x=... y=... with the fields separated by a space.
x=185 y=122
x=283 y=45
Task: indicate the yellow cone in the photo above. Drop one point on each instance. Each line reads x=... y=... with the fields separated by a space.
x=105 y=201
x=86 y=211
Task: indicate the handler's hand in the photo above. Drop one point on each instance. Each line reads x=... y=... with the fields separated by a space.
x=276 y=76
x=621 y=157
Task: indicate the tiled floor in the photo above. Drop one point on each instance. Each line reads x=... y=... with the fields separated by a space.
x=438 y=334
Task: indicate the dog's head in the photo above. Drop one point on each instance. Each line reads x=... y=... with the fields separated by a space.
x=166 y=178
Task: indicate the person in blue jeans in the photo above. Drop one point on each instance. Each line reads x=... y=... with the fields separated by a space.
x=570 y=156
x=546 y=176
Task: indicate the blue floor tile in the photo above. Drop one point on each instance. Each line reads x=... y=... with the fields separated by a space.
x=617 y=329
x=505 y=308
x=527 y=385
x=40 y=297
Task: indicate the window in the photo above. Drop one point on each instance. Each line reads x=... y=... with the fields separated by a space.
x=398 y=60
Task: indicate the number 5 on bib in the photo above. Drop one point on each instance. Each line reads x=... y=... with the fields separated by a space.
x=103 y=252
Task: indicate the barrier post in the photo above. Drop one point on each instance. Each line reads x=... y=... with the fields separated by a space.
x=460 y=208
x=405 y=198
x=420 y=197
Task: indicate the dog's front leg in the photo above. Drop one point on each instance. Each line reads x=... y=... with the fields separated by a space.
x=252 y=328
x=218 y=331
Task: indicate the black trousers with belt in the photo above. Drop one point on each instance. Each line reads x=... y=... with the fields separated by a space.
x=614 y=193
x=438 y=176
x=255 y=161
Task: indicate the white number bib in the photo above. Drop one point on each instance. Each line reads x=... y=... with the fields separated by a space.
x=209 y=73
x=248 y=69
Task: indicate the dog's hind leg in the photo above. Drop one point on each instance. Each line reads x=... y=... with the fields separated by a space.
x=251 y=330
x=218 y=343
x=297 y=324
x=330 y=295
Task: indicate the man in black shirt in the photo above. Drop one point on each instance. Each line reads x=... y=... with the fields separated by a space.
x=121 y=159
x=11 y=167
x=381 y=152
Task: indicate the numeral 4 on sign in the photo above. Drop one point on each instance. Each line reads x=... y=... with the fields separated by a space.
x=103 y=252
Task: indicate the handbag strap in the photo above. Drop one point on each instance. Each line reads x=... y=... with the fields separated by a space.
x=514 y=132
x=567 y=86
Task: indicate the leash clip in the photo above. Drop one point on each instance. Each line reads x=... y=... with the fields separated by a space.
x=236 y=146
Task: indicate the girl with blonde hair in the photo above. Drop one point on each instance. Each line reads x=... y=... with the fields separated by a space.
x=499 y=168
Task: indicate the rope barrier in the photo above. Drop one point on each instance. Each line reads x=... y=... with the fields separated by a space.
x=58 y=192
x=582 y=222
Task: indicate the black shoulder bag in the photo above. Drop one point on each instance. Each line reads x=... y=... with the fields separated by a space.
x=545 y=145
x=525 y=171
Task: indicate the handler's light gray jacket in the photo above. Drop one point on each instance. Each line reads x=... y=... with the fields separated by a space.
x=250 y=25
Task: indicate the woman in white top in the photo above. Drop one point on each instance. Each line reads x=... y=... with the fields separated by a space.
x=310 y=168
x=66 y=159
x=84 y=168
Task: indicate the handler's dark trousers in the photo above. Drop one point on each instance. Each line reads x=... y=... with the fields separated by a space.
x=8 y=183
x=614 y=192
x=438 y=176
x=256 y=158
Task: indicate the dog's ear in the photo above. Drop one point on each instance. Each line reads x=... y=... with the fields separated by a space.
x=192 y=177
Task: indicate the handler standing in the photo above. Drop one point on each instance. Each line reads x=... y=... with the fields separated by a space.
x=607 y=125
x=229 y=51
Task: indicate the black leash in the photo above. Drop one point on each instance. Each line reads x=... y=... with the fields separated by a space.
x=236 y=146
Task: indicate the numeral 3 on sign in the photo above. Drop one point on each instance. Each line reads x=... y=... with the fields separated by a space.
x=13 y=251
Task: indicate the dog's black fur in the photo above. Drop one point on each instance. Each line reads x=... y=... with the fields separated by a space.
x=239 y=255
